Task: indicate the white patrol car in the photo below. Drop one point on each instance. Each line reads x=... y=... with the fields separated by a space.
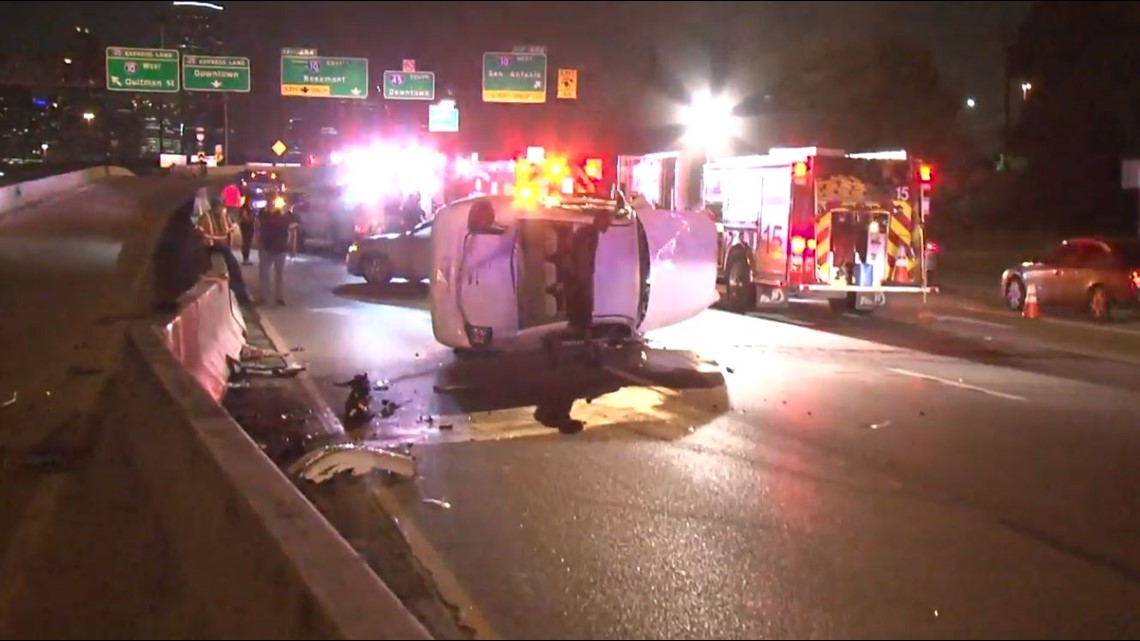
x=500 y=269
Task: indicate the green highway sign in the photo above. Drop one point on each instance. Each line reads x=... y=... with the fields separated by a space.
x=133 y=69
x=409 y=85
x=514 y=77
x=215 y=73
x=324 y=77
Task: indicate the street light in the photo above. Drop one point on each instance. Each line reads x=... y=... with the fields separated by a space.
x=971 y=103
x=709 y=121
x=1026 y=87
x=88 y=117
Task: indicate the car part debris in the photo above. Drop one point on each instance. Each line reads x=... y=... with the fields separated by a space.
x=254 y=353
x=12 y=401
x=358 y=404
x=440 y=503
x=358 y=459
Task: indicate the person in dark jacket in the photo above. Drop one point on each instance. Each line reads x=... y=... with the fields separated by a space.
x=246 y=219
x=275 y=227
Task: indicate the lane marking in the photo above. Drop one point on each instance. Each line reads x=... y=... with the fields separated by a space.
x=776 y=318
x=970 y=321
x=446 y=581
x=960 y=385
x=1075 y=324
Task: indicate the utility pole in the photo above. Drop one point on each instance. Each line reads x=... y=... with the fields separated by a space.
x=161 y=98
x=226 y=128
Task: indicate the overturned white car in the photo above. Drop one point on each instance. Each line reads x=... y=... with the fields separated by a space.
x=508 y=273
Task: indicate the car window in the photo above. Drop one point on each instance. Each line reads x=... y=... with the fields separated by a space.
x=1064 y=254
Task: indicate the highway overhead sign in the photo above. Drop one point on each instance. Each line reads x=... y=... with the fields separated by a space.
x=151 y=70
x=514 y=77
x=215 y=73
x=443 y=118
x=324 y=77
x=407 y=85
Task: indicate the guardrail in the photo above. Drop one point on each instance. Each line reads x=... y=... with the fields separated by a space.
x=255 y=559
x=34 y=191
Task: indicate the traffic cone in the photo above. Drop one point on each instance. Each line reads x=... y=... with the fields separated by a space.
x=1030 y=309
x=902 y=268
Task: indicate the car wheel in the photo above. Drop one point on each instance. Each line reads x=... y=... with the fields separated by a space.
x=377 y=271
x=1015 y=295
x=1100 y=305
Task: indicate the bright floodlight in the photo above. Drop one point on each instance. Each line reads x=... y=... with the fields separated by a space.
x=709 y=122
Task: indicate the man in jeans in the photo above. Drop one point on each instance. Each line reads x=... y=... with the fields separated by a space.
x=275 y=226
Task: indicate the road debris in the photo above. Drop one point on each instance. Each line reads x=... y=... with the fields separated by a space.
x=12 y=401
x=358 y=403
x=357 y=459
x=440 y=503
x=875 y=426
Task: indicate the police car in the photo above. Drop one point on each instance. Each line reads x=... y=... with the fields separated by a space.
x=505 y=267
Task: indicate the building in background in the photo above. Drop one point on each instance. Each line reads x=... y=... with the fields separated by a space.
x=54 y=106
x=192 y=27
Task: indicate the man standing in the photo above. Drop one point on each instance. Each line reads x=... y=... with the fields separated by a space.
x=275 y=225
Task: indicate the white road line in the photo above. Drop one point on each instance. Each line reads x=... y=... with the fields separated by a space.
x=776 y=318
x=970 y=321
x=966 y=386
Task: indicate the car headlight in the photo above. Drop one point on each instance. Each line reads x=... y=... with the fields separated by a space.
x=353 y=248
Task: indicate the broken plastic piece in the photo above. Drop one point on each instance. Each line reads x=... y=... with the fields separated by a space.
x=358 y=459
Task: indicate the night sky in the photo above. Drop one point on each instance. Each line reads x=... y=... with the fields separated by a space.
x=608 y=41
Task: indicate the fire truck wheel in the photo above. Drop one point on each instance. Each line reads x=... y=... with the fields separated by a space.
x=740 y=291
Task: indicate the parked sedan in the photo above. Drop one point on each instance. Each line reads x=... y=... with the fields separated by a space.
x=1093 y=274
x=380 y=258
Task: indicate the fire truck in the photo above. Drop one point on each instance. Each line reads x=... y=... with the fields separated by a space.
x=805 y=223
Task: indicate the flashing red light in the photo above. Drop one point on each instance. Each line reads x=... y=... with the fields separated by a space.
x=925 y=173
x=798 y=245
x=593 y=168
x=932 y=247
x=800 y=169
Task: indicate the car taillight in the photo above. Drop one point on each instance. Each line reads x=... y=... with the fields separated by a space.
x=932 y=247
x=1134 y=278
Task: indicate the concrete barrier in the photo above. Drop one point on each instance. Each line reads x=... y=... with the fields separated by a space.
x=206 y=333
x=33 y=191
x=254 y=559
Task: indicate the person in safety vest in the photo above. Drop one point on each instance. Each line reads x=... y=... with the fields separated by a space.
x=217 y=230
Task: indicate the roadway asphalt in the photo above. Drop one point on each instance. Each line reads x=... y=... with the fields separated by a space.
x=798 y=475
x=72 y=270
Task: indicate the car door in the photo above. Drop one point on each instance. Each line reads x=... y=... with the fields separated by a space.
x=1042 y=275
x=1069 y=278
